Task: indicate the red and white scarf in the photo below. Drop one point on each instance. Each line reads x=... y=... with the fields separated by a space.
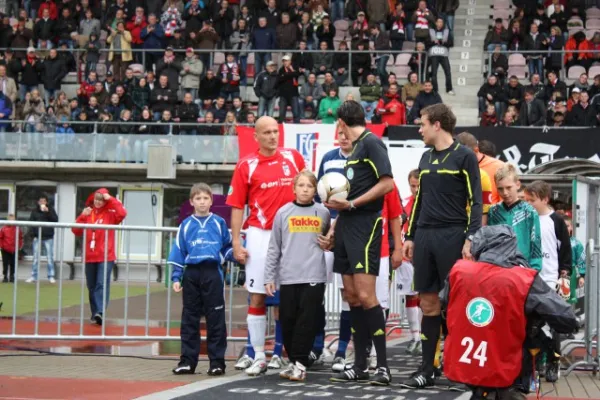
x=234 y=70
x=422 y=22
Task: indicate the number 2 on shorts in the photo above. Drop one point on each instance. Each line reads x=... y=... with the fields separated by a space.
x=479 y=355
x=251 y=282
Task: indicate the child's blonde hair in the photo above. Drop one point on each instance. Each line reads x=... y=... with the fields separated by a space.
x=506 y=171
x=311 y=177
x=200 y=188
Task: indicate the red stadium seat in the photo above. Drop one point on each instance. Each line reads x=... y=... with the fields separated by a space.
x=502 y=4
x=519 y=71
x=592 y=12
x=575 y=71
x=594 y=70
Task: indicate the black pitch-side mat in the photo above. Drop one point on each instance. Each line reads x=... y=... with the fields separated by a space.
x=317 y=385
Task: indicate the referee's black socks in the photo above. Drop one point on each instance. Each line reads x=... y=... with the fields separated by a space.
x=376 y=323
x=360 y=335
x=430 y=330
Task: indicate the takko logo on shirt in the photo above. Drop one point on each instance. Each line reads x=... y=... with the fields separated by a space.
x=305 y=224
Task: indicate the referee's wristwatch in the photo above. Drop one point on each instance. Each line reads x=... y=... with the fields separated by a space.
x=470 y=238
x=352 y=207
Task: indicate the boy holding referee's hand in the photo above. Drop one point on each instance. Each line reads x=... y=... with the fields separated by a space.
x=203 y=243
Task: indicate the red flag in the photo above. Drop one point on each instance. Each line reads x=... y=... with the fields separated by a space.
x=246 y=142
x=377 y=129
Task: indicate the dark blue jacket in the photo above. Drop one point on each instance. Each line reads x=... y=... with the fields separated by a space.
x=6 y=109
x=263 y=38
x=154 y=39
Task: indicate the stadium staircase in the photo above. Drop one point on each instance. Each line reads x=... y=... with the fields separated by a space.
x=471 y=23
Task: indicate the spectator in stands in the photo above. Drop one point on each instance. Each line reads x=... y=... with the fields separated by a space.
x=263 y=38
x=135 y=26
x=210 y=85
x=193 y=14
x=573 y=98
x=114 y=108
x=44 y=29
x=120 y=54
x=412 y=87
x=310 y=94
x=162 y=97
x=326 y=32
x=359 y=30
x=50 y=6
x=179 y=44
x=556 y=107
x=130 y=81
x=381 y=43
x=581 y=84
x=125 y=127
x=329 y=83
x=92 y=53
x=118 y=5
x=328 y=108
x=218 y=110
x=270 y=13
x=397 y=30
x=340 y=64
x=43 y=212
x=426 y=97
x=287 y=81
x=489 y=118
x=33 y=110
x=6 y=108
x=577 y=48
x=446 y=10
x=390 y=81
x=370 y=93
x=22 y=14
x=533 y=111
x=498 y=35
x=390 y=108
x=65 y=27
x=231 y=74
x=20 y=39
x=439 y=53
x=514 y=92
x=52 y=74
x=187 y=112
x=410 y=113
x=595 y=45
x=378 y=12
x=124 y=97
x=301 y=60
x=286 y=33
x=517 y=36
x=30 y=73
x=594 y=89
x=491 y=92
x=88 y=26
x=582 y=114
x=554 y=85
x=100 y=206
x=554 y=44
x=541 y=20
x=534 y=41
x=361 y=64
x=190 y=73
x=296 y=12
x=537 y=86
x=153 y=36
x=317 y=15
x=140 y=147
x=93 y=109
x=207 y=39
x=239 y=109
x=508 y=120
x=323 y=60
x=223 y=22
x=9 y=88
x=112 y=24
x=171 y=19
x=422 y=18
x=140 y=97
x=240 y=40
x=12 y=64
x=109 y=82
x=84 y=126
x=418 y=61
x=305 y=31
x=353 y=7
x=266 y=89
x=169 y=67
x=558 y=119
x=559 y=18
x=499 y=63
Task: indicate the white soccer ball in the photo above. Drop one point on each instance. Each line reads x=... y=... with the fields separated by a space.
x=333 y=185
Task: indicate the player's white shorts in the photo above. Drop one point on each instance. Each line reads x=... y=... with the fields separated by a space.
x=404 y=279
x=381 y=285
x=257 y=244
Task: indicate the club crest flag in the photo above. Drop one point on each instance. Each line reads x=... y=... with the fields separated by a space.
x=309 y=139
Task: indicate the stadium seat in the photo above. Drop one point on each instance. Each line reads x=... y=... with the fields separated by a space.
x=589 y=34
x=516 y=60
x=575 y=71
x=401 y=71
x=575 y=21
x=341 y=25
x=574 y=29
x=518 y=70
x=403 y=59
x=594 y=70
x=390 y=61
x=101 y=70
x=407 y=45
x=138 y=69
x=218 y=58
x=592 y=12
x=502 y=4
x=592 y=24
x=502 y=13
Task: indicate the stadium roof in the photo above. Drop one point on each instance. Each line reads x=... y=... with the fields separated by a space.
x=570 y=166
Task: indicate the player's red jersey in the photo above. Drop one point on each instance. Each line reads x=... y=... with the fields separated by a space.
x=486 y=323
x=392 y=208
x=408 y=210
x=265 y=184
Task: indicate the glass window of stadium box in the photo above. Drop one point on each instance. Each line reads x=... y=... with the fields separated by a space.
x=83 y=192
x=26 y=199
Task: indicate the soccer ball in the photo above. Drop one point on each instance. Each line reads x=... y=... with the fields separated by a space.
x=333 y=185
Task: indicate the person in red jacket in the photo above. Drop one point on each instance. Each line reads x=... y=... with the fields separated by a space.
x=135 y=26
x=101 y=208
x=50 y=6
x=8 y=236
x=390 y=107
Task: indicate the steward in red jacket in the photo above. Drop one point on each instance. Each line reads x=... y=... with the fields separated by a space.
x=492 y=307
x=391 y=109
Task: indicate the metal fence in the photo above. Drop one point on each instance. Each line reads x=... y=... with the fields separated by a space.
x=119 y=324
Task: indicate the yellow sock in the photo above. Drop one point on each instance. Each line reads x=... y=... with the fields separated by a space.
x=438 y=352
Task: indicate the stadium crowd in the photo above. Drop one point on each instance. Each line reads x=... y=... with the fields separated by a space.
x=548 y=43
x=133 y=56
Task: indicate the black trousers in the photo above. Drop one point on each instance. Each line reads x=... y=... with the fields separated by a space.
x=445 y=63
x=8 y=264
x=298 y=306
x=203 y=295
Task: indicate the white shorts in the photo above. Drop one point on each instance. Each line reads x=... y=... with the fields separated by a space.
x=257 y=244
x=404 y=279
x=381 y=284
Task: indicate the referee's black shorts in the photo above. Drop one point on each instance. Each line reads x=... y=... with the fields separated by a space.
x=435 y=253
x=357 y=243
